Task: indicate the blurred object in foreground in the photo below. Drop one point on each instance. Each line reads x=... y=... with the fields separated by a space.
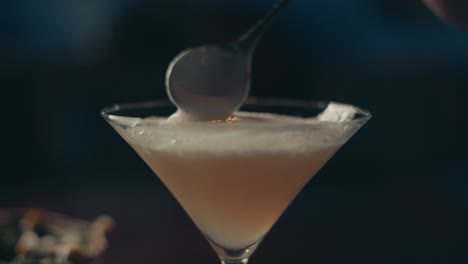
x=37 y=236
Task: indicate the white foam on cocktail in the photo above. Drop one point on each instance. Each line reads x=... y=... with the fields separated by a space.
x=338 y=113
x=246 y=133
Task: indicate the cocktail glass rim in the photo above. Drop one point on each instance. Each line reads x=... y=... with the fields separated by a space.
x=361 y=114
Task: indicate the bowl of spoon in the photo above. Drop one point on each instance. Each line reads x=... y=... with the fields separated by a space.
x=210 y=82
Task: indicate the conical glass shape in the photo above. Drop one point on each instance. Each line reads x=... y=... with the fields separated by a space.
x=235 y=178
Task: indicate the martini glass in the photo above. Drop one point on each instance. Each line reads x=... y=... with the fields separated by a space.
x=235 y=178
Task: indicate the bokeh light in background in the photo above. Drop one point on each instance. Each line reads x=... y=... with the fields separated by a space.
x=396 y=193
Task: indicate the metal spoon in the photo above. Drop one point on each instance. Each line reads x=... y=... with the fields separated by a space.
x=211 y=82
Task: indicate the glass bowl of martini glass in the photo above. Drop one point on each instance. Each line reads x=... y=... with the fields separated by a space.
x=235 y=177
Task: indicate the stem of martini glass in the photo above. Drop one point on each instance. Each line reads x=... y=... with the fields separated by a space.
x=240 y=256
x=242 y=261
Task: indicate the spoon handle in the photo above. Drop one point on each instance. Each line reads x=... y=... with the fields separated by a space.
x=248 y=41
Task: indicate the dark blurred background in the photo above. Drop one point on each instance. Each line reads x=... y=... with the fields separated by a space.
x=396 y=193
